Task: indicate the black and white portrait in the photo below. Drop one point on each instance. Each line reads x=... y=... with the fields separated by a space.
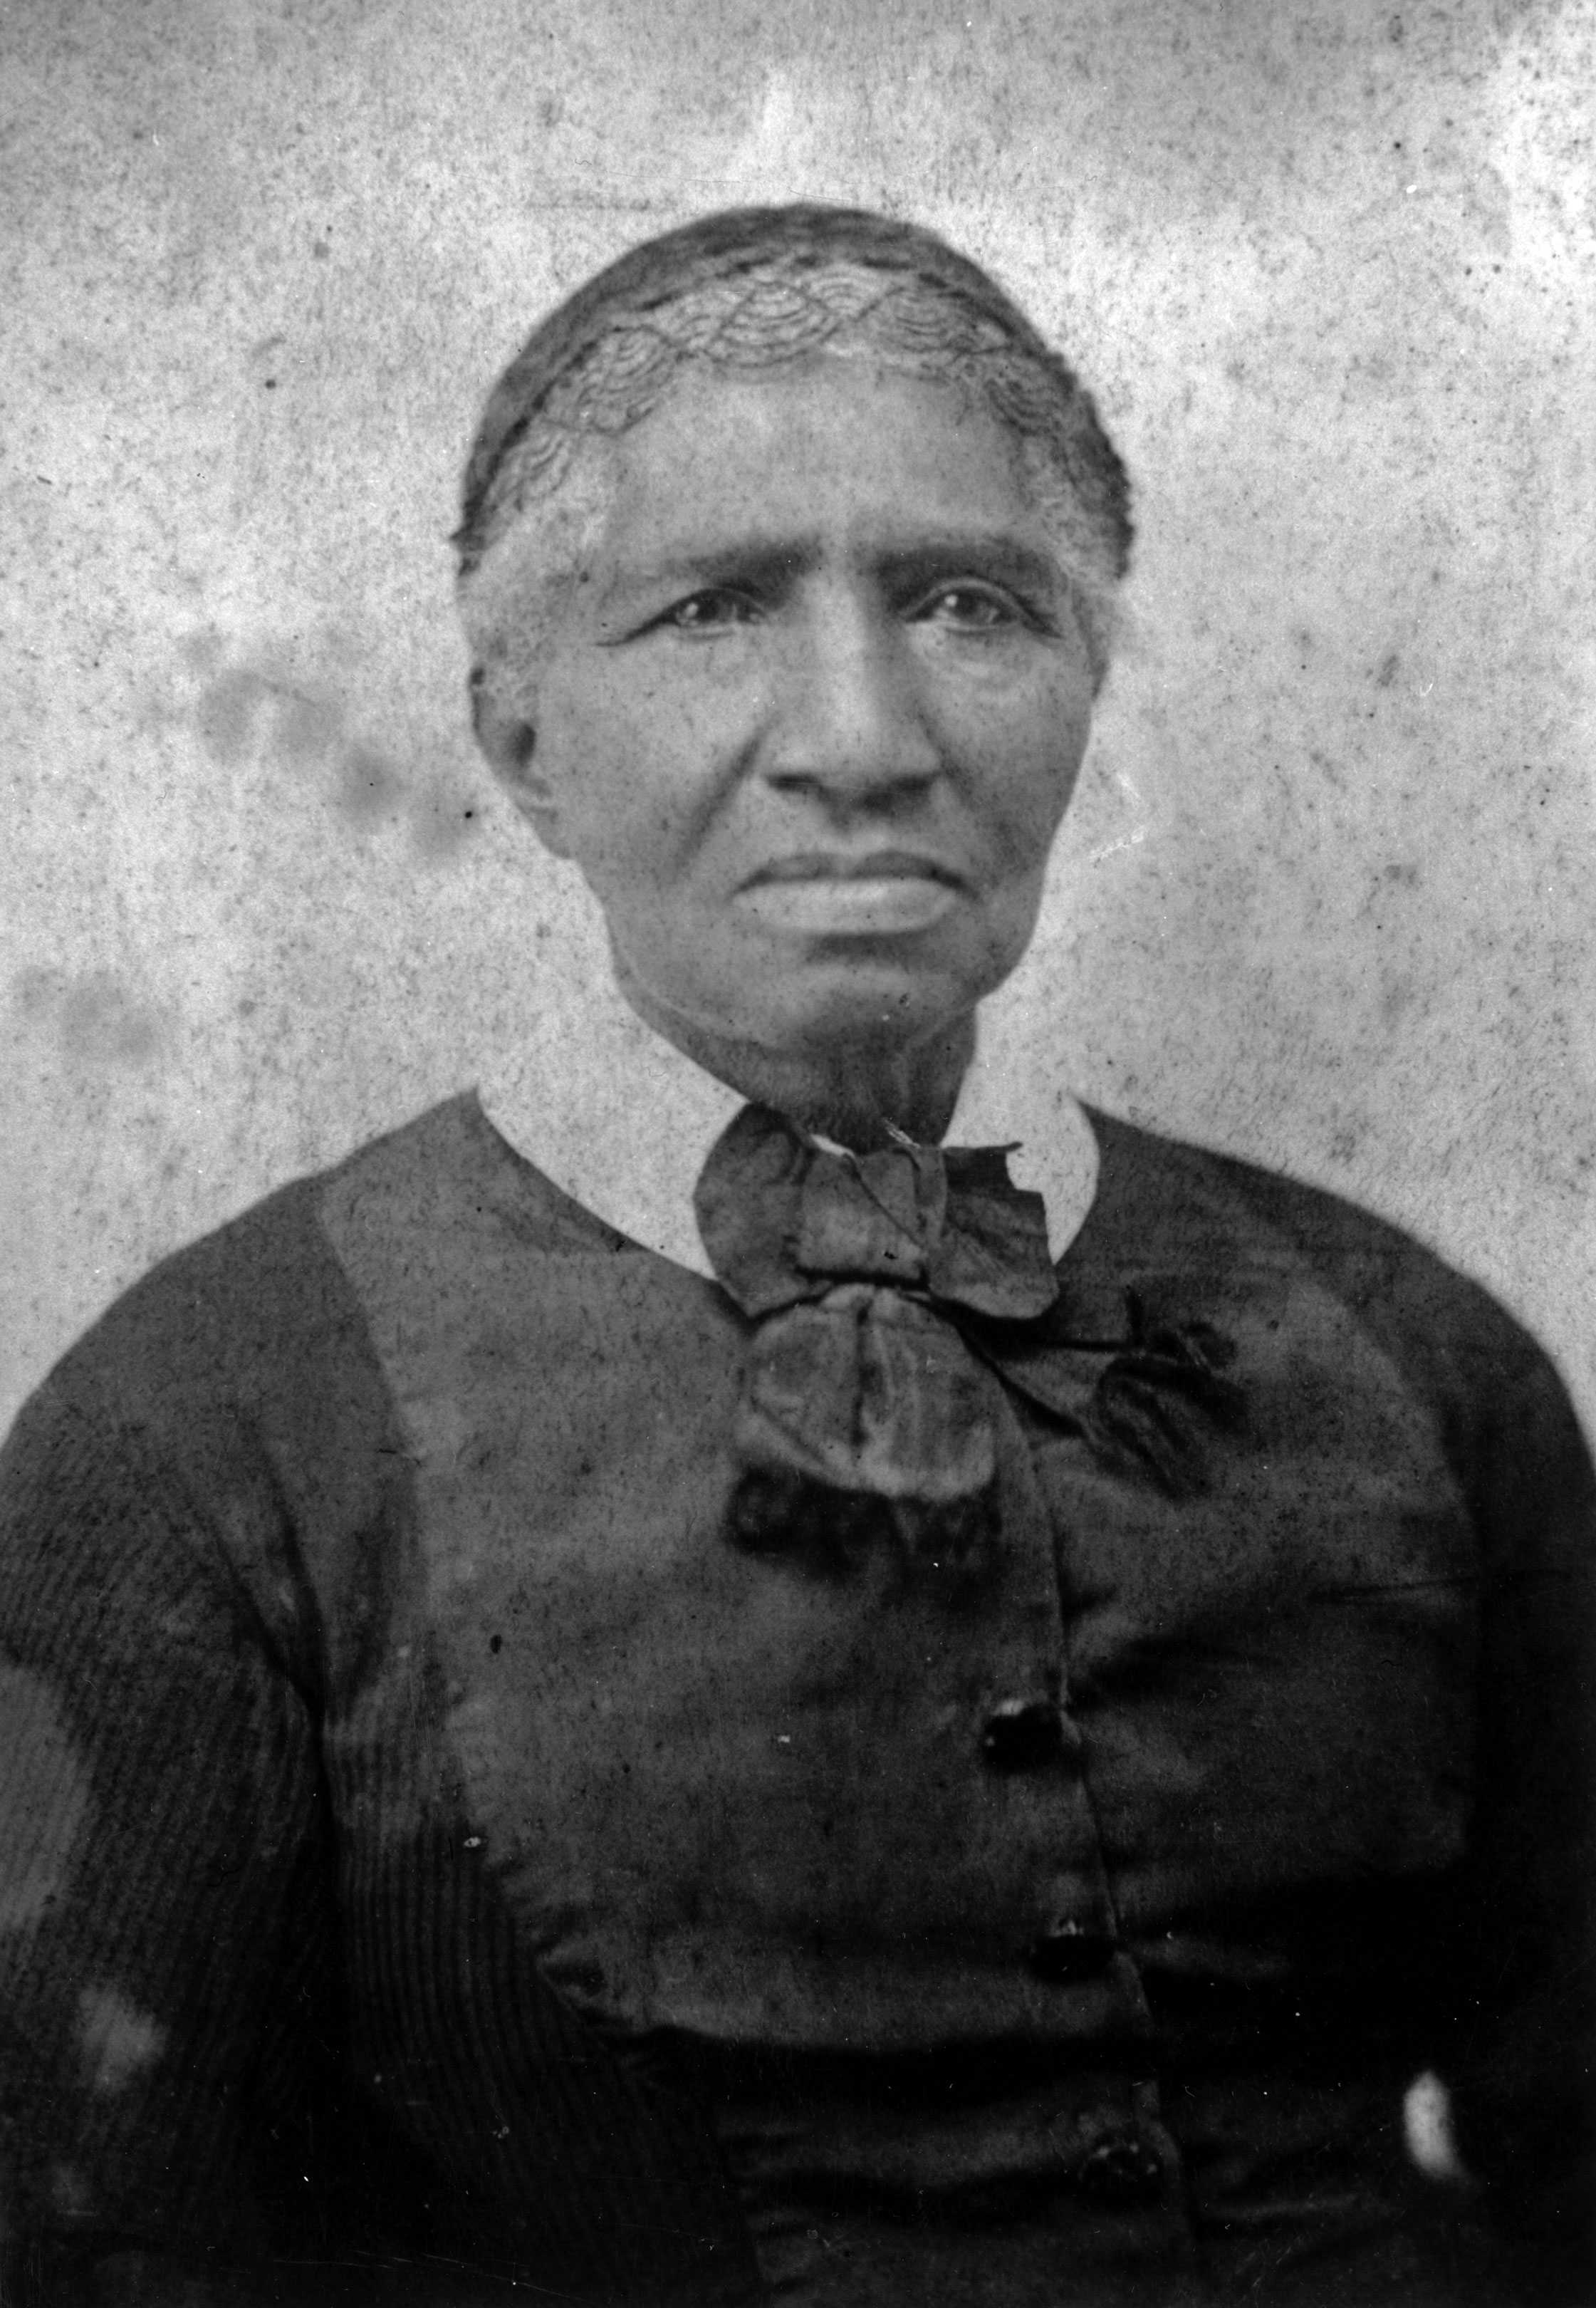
x=796 y=1237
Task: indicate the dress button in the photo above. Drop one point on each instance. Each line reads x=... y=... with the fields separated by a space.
x=1123 y=2170
x=1022 y=1734
x=1071 y=1952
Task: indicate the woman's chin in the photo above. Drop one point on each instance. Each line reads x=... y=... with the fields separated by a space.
x=862 y=1008
x=811 y=1000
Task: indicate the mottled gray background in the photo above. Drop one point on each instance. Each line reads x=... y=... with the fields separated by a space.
x=1331 y=269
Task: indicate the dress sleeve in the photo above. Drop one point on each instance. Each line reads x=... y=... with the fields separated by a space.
x=1524 y=2021
x=166 y=1940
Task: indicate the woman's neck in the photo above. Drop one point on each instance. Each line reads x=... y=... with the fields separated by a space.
x=857 y=1092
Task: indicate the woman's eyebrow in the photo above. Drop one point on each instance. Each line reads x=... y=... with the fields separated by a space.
x=757 y=562
x=1008 y=560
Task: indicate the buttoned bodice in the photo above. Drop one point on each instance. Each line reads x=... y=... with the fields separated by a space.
x=1082 y=1926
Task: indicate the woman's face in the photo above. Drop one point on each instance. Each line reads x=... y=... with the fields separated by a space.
x=810 y=714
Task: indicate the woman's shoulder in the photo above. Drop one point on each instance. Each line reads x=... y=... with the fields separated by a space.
x=1175 y=1205
x=236 y=1381
x=267 y=1283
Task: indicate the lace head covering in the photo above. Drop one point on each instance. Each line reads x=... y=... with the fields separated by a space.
x=746 y=290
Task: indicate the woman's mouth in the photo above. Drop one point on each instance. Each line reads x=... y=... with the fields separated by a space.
x=881 y=893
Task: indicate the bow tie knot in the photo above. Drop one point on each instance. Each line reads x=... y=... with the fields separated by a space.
x=783 y=1219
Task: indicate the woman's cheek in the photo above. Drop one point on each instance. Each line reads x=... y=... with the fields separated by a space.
x=1028 y=805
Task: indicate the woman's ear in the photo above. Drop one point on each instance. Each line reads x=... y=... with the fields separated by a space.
x=511 y=744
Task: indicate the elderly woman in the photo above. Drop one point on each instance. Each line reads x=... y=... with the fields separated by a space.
x=828 y=1681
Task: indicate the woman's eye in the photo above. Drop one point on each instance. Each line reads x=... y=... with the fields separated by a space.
x=970 y=609
x=712 y=611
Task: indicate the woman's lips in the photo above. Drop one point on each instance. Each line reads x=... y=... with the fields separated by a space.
x=877 y=896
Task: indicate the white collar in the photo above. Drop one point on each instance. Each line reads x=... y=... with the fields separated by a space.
x=620 y=1120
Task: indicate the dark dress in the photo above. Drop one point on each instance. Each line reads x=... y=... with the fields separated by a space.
x=430 y=1844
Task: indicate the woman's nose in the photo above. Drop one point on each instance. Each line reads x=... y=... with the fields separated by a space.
x=848 y=718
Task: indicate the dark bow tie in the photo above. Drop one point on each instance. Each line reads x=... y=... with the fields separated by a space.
x=887 y=1289
x=861 y=1400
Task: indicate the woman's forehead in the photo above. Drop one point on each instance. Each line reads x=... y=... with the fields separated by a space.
x=832 y=445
